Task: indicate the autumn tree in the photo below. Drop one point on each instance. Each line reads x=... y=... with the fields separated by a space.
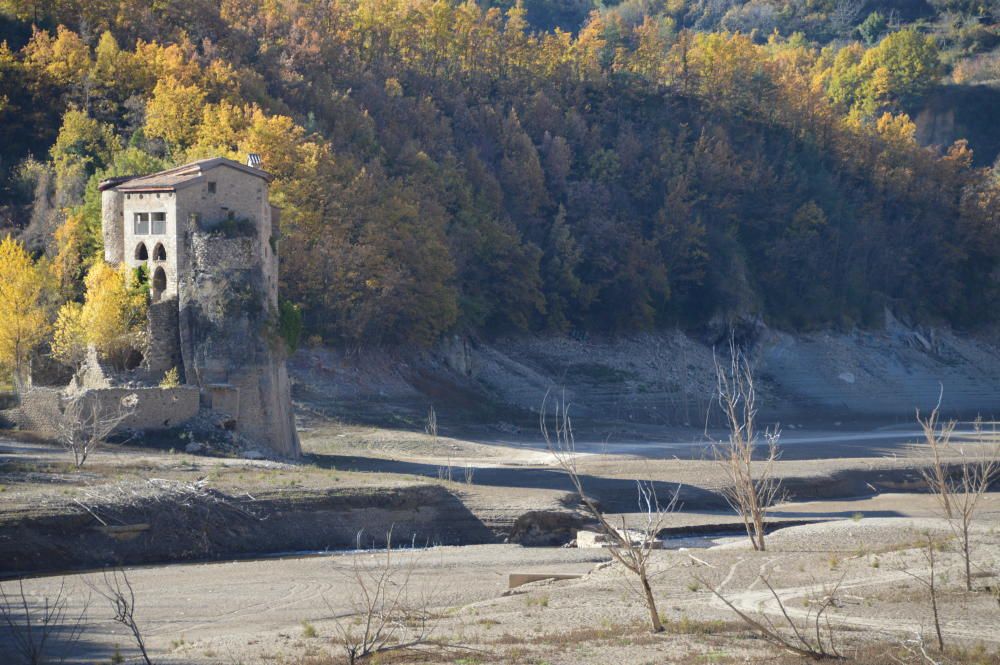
x=24 y=323
x=112 y=318
x=82 y=146
x=62 y=60
x=173 y=112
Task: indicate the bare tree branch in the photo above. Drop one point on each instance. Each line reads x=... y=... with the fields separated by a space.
x=958 y=491
x=629 y=547
x=931 y=583
x=31 y=628
x=118 y=591
x=799 y=644
x=86 y=423
x=385 y=616
x=752 y=488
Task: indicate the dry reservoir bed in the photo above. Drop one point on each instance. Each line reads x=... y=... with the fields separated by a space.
x=288 y=611
x=293 y=610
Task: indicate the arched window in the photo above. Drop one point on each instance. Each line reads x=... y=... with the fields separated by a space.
x=141 y=254
x=159 y=254
x=159 y=284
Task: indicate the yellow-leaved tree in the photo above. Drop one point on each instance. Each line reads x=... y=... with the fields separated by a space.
x=112 y=318
x=174 y=112
x=68 y=264
x=23 y=318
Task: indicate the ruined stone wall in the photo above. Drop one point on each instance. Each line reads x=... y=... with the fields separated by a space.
x=157 y=408
x=223 y=254
x=40 y=409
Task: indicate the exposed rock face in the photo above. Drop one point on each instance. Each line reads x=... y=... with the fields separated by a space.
x=546 y=528
x=935 y=127
x=228 y=344
x=952 y=112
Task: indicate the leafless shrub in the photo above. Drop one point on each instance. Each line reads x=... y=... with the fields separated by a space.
x=117 y=590
x=445 y=472
x=958 y=490
x=87 y=423
x=915 y=648
x=938 y=438
x=751 y=489
x=629 y=547
x=470 y=474
x=431 y=427
x=930 y=581
x=32 y=628
x=386 y=615
x=816 y=641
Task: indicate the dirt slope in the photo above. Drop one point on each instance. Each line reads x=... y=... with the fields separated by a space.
x=656 y=379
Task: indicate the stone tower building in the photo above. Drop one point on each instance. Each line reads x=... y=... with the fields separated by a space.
x=207 y=236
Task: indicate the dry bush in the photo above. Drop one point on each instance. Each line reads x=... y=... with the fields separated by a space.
x=87 y=423
x=959 y=487
x=930 y=582
x=32 y=629
x=816 y=640
x=912 y=651
x=431 y=427
x=629 y=547
x=117 y=590
x=387 y=615
x=751 y=489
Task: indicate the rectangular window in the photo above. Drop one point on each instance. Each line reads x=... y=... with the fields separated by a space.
x=211 y=188
x=141 y=224
x=159 y=223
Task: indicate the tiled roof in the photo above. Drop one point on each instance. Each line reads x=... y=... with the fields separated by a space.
x=178 y=177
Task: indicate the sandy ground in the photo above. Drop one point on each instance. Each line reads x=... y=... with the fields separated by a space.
x=288 y=610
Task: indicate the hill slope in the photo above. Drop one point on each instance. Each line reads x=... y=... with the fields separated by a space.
x=443 y=168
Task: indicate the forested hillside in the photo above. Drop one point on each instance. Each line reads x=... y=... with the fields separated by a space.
x=446 y=166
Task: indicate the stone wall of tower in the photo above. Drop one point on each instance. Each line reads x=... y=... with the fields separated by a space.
x=150 y=202
x=112 y=226
x=163 y=349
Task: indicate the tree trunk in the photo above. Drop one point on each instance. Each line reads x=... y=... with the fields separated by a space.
x=937 y=622
x=758 y=528
x=965 y=554
x=654 y=616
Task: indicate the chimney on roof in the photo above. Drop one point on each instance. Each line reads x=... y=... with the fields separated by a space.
x=254 y=160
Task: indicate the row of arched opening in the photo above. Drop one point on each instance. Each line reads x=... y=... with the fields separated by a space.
x=142 y=254
x=159 y=282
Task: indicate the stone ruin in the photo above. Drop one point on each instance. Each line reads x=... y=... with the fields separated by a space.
x=207 y=236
